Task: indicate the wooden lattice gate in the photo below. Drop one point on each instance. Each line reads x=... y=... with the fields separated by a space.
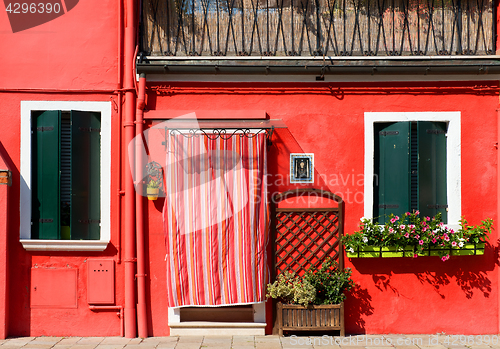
x=303 y=238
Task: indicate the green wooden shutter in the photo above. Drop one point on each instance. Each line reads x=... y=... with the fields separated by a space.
x=45 y=175
x=432 y=169
x=85 y=175
x=392 y=170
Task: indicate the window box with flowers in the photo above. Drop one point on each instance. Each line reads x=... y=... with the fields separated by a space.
x=413 y=236
x=313 y=301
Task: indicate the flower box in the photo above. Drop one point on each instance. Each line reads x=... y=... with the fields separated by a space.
x=424 y=236
x=385 y=252
x=468 y=250
x=326 y=317
x=391 y=251
x=472 y=249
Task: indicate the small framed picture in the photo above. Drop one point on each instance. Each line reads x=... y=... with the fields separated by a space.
x=301 y=168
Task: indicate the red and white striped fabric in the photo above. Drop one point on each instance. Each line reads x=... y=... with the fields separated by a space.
x=215 y=220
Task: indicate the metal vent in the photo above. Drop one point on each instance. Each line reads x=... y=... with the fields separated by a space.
x=414 y=167
x=65 y=161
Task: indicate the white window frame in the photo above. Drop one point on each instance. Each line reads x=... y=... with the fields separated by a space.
x=27 y=107
x=453 y=157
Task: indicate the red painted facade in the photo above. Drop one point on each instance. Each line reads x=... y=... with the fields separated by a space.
x=82 y=56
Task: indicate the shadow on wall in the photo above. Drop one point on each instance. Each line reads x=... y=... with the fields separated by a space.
x=470 y=273
x=357 y=307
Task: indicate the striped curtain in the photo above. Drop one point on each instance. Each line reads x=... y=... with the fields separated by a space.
x=215 y=220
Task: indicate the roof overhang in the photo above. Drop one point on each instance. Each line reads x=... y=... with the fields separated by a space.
x=322 y=66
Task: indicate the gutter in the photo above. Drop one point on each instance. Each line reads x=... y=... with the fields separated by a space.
x=139 y=206
x=129 y=128
x=425 y=65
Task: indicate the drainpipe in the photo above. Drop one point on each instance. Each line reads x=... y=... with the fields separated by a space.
x=497 y=145
x=139 y=209
x=5 y=208
x=128 y=124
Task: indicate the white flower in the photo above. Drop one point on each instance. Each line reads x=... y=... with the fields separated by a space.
x=460 y=244
x=351 y=250
x=365 y=239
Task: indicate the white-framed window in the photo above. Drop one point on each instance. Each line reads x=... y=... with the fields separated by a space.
x=65 y=172
x=380 y=126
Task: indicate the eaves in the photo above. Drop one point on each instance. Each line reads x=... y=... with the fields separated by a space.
x=323 y=66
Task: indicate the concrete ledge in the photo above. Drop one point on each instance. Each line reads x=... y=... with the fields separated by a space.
x=202 y=328
x=64 y=245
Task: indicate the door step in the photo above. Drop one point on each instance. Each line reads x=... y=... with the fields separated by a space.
x=209 y=328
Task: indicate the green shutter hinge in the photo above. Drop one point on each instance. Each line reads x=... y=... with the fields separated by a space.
x=388 y=133
x=388 y=206
x=45 y=220
x=89 y=129
x=435 y=132
x=45 y=128
x=437 y=206
x=89 y=221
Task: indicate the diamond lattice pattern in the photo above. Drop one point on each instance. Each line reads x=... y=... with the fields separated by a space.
x=305 y=239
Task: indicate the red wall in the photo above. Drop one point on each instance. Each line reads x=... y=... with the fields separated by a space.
x=76 y=57
x=422 y=295
x=78 y=50
x=62 y=60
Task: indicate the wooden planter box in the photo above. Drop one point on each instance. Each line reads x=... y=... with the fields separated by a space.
x=312 y=318
x=373 y=251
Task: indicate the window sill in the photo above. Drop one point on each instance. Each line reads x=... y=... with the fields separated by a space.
x=64 y=245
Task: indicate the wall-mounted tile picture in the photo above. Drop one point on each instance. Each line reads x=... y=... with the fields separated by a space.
x=301 y=168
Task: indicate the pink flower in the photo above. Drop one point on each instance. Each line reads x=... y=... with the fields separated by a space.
x=424 y=229
x=434 y=240
x=428 y=218
x=393 y=220
x=415 y=255
x=441 y=224
x=417 y=212
x=417 y=236
x=443 y=258
x=446 y=238
x=391 y=230
x=408 y=213
x=453 y=243
x=421 y=242
x=402 y=226
x=407 y=235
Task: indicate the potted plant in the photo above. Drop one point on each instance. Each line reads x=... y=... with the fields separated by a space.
x=413 y=236
x=155 y=180
x=313 y=301
x=153 y=189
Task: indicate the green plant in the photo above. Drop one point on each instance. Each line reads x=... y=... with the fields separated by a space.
x=416 y=231
x=153 y=184
x=323 y=286
x=330 y=282
x=291 y=289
